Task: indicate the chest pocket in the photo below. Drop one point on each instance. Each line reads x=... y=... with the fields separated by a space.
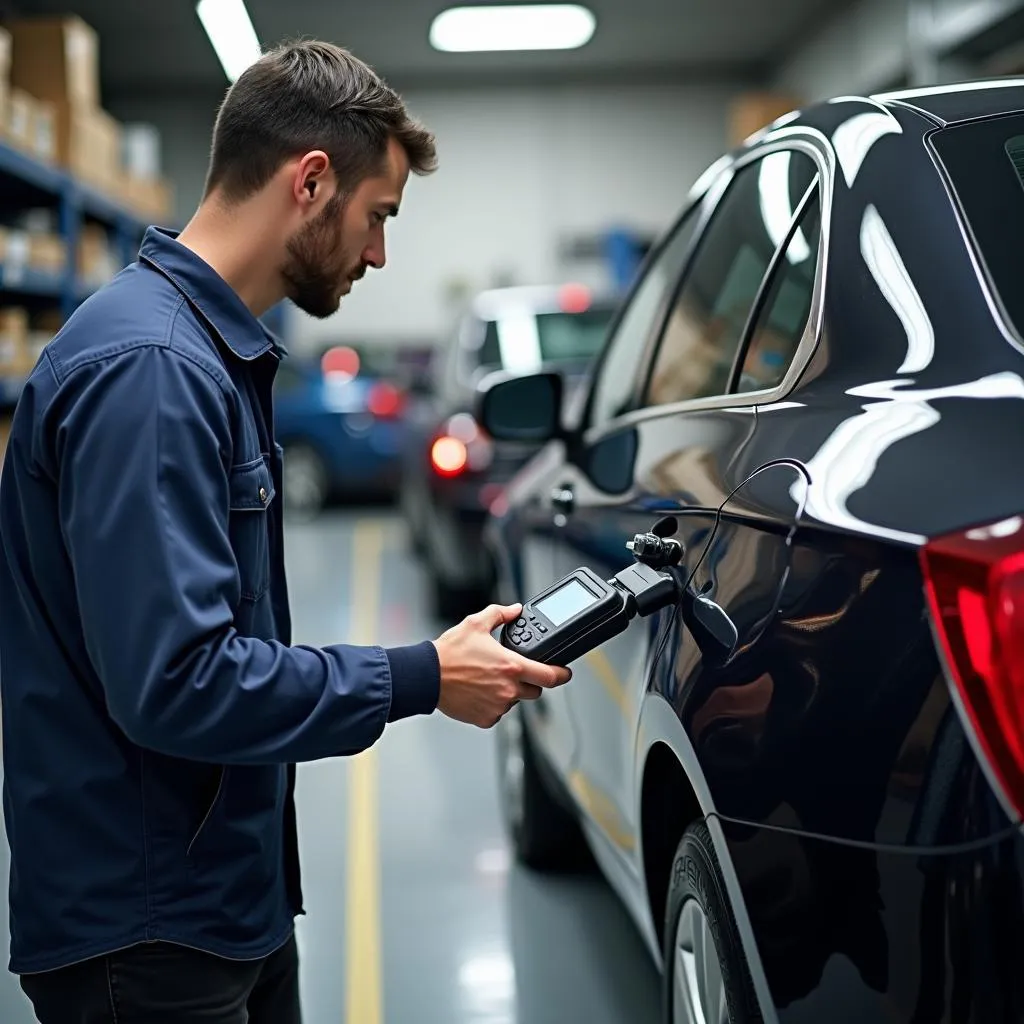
x=251 y=492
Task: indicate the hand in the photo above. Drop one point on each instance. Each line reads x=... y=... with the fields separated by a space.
x=480 y=679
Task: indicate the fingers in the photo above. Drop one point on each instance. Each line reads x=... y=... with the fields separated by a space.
x=495 y=615
x=527 y=691
x=543 y=675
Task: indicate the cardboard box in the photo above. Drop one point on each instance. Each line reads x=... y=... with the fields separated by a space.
x=21 y=124
x=751 y=112
x=88 y=143
x=97 y=258
x=47 y=253
x=152 y=199
x=44 y=130
x=56 y=59
x=15 y=357
x=141 y=155
x=5 y=74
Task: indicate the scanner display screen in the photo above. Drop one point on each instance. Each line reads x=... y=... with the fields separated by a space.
x=565 y=602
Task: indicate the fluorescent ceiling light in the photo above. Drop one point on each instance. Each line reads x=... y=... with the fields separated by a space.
x=512 y=27
x=231 y=33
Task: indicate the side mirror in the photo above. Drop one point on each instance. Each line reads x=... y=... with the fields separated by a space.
x=525 y=408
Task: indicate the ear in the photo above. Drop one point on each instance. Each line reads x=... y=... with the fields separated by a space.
x=312 y=179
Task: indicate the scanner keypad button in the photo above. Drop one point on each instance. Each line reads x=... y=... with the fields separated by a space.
x=520 y=622
x=527 y=636
x=542 y=629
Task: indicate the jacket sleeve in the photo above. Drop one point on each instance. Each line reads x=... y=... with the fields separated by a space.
x=144 y=449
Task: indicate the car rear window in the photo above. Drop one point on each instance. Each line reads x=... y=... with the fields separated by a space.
x=523 y=341
x=984 y=161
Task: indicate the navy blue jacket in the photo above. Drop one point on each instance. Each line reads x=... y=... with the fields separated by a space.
x=153 y=704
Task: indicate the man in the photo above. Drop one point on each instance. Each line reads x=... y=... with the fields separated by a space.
x=153 y=706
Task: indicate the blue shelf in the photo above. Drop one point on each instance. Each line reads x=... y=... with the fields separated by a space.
x=24 y=168
x=26 y=182
x=25 y=281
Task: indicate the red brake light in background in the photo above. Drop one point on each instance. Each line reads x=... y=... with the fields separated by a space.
x=340 y=361
x=460 y=446
x=574 y=298
x=975 y=589
x=385 y=401
x=448 y=456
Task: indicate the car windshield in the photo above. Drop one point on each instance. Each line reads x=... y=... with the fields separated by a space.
x=524 y=341
x=985 y=164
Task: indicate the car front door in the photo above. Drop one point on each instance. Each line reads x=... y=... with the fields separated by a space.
x=723 y=338
x=546 y=491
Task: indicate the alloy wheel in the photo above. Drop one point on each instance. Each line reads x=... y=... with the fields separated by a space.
x=699 y=989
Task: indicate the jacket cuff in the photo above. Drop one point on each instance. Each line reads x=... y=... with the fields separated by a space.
x=415 y=680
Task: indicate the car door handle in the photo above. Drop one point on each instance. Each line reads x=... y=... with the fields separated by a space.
x=562 y=498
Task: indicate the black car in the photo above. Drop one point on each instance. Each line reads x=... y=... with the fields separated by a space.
x=452 y=471
x=820 y=377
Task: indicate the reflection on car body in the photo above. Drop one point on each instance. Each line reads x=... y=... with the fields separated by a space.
x=817 y=374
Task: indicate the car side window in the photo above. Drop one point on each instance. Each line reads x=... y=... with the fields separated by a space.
x=780 y=323
x=617 y=374
x=709 y=315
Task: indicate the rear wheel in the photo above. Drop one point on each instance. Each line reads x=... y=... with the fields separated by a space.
x=707 y=980
x=544 y=834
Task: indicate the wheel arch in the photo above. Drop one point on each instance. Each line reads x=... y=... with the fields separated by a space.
x=671 y=787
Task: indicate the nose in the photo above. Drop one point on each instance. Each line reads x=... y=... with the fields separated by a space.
x=374 y=255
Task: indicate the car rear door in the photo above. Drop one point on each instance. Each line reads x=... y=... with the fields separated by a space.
x=678 y=451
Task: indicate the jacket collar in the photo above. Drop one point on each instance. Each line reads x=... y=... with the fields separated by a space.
x=211 y=296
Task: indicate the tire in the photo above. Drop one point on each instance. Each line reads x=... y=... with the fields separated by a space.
x=545 y=836
x=698 y=909
x=305 y=481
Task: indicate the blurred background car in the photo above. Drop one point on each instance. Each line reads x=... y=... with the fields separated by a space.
x=452 y=472
x=339 y=419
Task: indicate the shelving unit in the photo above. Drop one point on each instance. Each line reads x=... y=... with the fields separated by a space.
x=27 y=183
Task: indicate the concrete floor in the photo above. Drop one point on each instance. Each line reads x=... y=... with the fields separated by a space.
x=415 y=914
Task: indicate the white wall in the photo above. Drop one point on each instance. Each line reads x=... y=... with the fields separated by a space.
x=861 y=50
x=519 y=167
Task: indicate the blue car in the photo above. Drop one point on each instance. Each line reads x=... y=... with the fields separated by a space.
x=341 y=430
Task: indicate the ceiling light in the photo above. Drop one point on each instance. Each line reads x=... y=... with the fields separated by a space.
x=512 y=27
x=231 y=33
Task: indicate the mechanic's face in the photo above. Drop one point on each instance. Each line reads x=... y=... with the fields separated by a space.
x=337 y=246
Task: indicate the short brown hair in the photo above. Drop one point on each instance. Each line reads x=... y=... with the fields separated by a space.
x=310 y=95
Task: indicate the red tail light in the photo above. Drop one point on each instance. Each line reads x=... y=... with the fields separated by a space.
x=975 y=588
x=448 y=456
x=461 y=446
x=385 y=401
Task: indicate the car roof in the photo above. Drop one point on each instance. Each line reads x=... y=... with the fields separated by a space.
x=951 y=103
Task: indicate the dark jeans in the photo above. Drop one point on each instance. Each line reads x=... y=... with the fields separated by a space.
x=160 y=983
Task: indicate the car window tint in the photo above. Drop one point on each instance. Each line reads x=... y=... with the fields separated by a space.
x=705 y=327
x=617 y=375
x=786 y=306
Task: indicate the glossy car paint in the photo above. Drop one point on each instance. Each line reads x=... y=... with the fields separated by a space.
x=873 y=872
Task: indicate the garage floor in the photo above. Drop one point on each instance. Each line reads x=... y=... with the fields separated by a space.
x=414 y=912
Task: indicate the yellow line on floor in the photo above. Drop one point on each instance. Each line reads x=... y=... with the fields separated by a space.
x=363 y=977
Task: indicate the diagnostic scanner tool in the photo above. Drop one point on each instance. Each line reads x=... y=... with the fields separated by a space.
x=581 y=611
